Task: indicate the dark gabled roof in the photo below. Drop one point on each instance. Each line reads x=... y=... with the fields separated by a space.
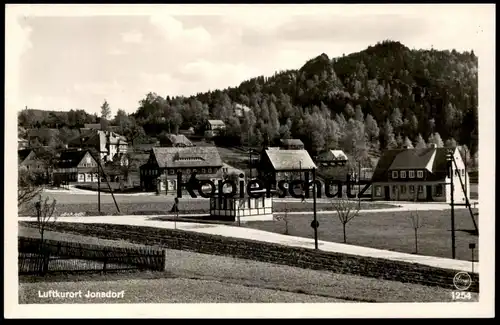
x=412 y=159
x=23 y=154
x=95 y=137
x=179 y=139
x=290 y=159
x=292 y=142
x=216 y=122
x=71 y=158
x=187 y=157
x=332 y=155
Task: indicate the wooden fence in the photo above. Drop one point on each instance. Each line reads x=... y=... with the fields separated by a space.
x=58 y=256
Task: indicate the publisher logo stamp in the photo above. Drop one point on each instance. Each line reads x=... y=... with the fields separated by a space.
x=462 y=281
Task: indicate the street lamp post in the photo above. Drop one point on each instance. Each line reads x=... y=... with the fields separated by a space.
x=472 y=246
x=315 y=223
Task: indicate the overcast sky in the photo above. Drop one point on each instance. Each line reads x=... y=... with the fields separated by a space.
x=66 y=62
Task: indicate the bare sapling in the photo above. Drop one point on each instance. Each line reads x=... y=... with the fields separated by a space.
x=346 y=211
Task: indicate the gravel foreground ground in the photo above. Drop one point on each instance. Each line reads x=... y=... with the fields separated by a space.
x=173 y=290
x=200 y=278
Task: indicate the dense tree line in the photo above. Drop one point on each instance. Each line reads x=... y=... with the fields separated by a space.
x=386 y=96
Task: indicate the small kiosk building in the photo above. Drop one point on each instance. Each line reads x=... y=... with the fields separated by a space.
x=241 y=209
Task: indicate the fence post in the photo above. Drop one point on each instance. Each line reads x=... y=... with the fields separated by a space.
x=105 y=262
x=164 y=260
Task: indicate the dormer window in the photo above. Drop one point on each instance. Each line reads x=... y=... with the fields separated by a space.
x=411 y=174
x=403 y=174
x=420 y=174
x=395 y=174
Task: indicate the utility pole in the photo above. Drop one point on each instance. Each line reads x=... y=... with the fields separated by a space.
x=359 y=184
x=450 y=161
x=465 y=170
x=98 y=190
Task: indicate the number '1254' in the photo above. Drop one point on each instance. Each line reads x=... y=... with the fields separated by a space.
x=461 y=295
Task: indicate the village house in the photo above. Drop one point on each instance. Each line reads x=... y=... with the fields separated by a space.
x=175 y=140
x=27 y=159
x=291 y=144
x=75 y=166
x=214 y=127
x=419 y=174
x=332 y=158
x=22 y=144
x=110 y=145
x=159 y=173
x=276 y=165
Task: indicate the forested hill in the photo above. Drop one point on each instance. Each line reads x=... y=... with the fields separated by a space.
x=382 y=97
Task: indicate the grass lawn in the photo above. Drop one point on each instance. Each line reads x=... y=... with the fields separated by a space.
x=200 y=278
x=388 y=230
x=115 y=186
x=152 y=204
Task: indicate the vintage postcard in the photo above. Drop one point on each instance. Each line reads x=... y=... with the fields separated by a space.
x=249 y=161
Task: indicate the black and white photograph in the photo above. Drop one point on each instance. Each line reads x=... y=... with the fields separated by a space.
x=250 y=160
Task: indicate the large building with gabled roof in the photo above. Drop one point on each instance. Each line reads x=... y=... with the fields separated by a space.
x=419 y=175
x=278 y=164
x=160 y=171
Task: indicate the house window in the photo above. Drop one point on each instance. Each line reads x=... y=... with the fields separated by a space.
x=411 y=174
x=403 y=174
x=403 y=189
x=395 y=174
x=203 y=171
x=258 y=203
x=210 y=170
x=378 y=190
x=420 y=174
x=420 y=189
x=194 y=170
x=394 y=189
x=412 y=189
x=188 y=170
x=171 y=171
x=439 y=190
